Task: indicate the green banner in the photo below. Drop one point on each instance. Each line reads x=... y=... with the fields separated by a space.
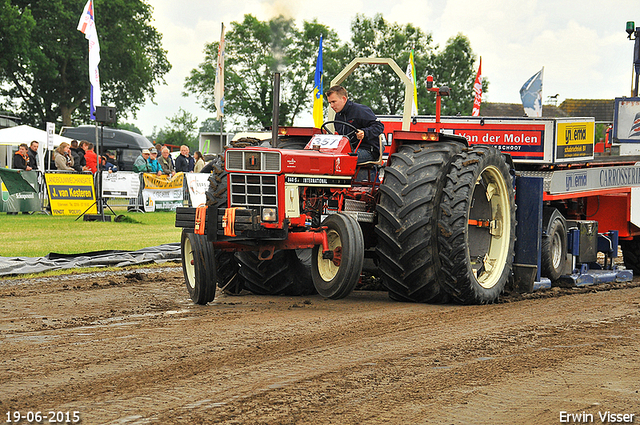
x=19 y=191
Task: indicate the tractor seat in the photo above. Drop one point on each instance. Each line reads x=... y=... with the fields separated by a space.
x=379 y=160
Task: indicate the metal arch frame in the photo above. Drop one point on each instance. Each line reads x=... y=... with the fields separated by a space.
x=408 y=84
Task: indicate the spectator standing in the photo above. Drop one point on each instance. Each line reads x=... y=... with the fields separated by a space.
x=91 y=157
x=141 y=165
x=21 y=158
x=73 y=151
x=77 y=152
x=155 y=166
x=166 y=162
x=184 y=161
x=199 y=161
x=63 y=158
x=33 y=154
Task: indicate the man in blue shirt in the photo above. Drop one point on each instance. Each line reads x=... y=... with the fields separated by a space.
x=366 y=138
x=153 y=162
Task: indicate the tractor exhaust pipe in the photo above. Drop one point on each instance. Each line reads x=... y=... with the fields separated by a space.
x=276 y=109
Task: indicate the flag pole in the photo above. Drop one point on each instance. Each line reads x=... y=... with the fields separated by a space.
x=219 y=83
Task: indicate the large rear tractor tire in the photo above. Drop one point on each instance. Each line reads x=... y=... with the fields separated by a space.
x=406 y=229
x=217 y=192
x=287 y=273
x=228 y=278
x=335 y=278
x=294 y=143
x=554 y=246
x=477 y=226
x=198 y=267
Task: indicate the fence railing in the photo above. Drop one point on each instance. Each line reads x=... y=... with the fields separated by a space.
x=137 y=192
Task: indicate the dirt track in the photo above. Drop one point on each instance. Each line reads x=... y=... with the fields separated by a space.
x=133 y=349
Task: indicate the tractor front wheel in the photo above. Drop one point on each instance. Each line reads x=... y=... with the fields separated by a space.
x=198 y=267
x=336 y=277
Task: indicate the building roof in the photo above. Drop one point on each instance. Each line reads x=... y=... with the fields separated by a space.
x=600 y=109
x=8 y=120
x=488 y=109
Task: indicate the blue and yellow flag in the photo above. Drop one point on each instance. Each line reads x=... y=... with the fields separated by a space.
x=317 y=91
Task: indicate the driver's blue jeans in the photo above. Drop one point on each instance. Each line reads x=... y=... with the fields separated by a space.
x=365 y=155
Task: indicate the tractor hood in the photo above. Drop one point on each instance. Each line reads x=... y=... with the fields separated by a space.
x=323 y=155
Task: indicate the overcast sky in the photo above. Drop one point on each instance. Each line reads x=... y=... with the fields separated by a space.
x=582 y=45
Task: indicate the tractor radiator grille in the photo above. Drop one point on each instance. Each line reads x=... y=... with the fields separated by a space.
x=254 y=191
x=250 y=160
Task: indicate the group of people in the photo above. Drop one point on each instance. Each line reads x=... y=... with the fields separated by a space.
x=26 y=158
x=77 y=156
x=74 y=156
x=81 y=157
x=149 y=162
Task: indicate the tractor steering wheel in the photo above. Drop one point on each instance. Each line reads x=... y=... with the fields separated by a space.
x=348 y=135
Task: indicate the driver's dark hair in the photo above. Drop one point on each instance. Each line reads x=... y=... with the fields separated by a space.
x=339 y=90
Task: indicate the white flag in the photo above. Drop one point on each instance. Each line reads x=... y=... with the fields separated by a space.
x=219 y=84
x=87 y=26
x=531 y=95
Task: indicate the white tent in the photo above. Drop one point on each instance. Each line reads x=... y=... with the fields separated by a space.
x=13 y=136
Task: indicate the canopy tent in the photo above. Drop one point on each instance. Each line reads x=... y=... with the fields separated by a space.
x=14 y=136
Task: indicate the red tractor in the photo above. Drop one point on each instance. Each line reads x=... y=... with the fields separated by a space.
x=438 y=217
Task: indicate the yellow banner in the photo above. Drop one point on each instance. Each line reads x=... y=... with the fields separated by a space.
x=153 y=181
x=575 y=139
x=71 y=194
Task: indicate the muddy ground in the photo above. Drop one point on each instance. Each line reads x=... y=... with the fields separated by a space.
x=131 y=348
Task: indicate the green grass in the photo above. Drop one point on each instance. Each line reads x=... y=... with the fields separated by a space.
x=37 y=235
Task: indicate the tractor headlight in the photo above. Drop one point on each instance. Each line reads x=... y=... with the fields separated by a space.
x=269 y=214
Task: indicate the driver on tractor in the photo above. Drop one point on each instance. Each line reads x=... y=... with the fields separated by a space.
x=365 y=140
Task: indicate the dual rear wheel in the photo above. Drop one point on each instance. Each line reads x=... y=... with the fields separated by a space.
x=446 y=223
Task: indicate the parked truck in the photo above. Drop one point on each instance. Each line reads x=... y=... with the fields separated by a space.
x=456 y=209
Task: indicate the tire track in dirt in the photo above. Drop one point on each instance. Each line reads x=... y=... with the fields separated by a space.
x=280 y=360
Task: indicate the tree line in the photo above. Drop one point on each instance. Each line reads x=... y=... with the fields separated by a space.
x=255 y=49
x=44 y=65
x=44 y=59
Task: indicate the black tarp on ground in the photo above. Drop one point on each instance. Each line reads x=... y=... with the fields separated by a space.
x=11 y=266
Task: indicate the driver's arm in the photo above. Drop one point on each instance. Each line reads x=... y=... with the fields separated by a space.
x=367 y=121
x=373 y=128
